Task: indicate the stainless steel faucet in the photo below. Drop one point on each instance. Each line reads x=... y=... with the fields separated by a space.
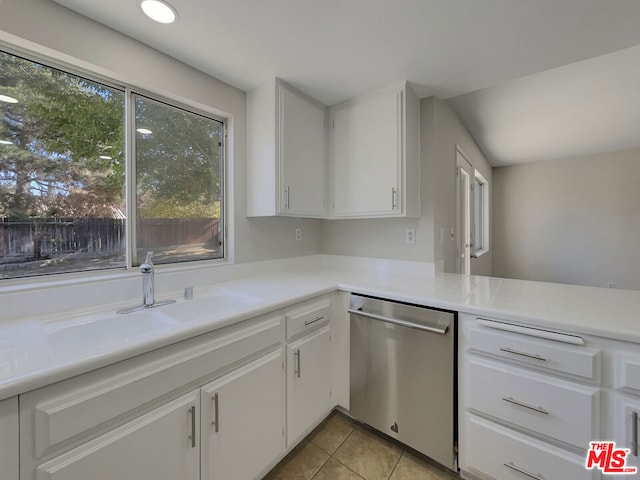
x=148 y=288
x=148 y=281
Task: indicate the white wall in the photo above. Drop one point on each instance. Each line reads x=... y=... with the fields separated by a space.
x=573 y=220
x=50 y=30
x=441 y=131
x=440 y=158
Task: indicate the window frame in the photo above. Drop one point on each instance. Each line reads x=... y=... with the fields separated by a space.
x=485 y=212
x=129 y=90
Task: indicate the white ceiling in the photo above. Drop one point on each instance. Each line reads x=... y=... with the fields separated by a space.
x=336 y=49
x=580 y=109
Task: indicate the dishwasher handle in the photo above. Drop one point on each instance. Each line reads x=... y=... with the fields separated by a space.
x=402 y=323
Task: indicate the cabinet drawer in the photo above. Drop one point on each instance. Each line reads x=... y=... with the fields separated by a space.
x=502 y=454
x=62 y=414
x=574 y=360
x=548 y=406
x=308 y=317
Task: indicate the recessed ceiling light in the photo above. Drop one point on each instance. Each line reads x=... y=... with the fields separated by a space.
x=6 y=98
x=106 y=157
x=6 y=142
x=144 y=131
x=159 y=11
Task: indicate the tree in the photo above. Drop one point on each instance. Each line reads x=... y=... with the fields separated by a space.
x=67 y=152
x=179 y=163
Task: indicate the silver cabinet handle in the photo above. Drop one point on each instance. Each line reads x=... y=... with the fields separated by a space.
x=524 y=405
x=297 y=367
x=402 y=323
x=394 y=193
x=192 y=413
x=523 y=354
x=215 y=422
x=522 y=471
x=286 y=197
x=634 y=433
x=317 y=319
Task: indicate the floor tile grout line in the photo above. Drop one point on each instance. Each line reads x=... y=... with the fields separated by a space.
x=402 y=452
x=323 y=463
x=348 y=468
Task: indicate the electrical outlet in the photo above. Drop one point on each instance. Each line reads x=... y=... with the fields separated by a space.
x=298 y=234
x=410 y=235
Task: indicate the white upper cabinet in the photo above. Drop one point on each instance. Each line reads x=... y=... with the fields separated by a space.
x=374 y=151
x=286 y=153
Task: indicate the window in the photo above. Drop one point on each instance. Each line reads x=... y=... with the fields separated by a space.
x=178 y=183
x=481 y=214
x=63 y=179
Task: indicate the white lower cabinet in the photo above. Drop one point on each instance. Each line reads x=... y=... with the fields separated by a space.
x=208 y=408
x=9 y=439
x=242 y=420
x=627 y=424
x=528 y=406
x=505 y=454
x=308 y=382
x=162 y=444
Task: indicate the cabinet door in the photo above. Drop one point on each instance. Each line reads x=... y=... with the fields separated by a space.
x=243 y=420
x=162 y=444
x=302 y=159
x=366 y=152
x=9 y=439
x=628 y=428
x=308 y=382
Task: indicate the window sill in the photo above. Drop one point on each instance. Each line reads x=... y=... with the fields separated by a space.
x=41 y=282
x=479 y=253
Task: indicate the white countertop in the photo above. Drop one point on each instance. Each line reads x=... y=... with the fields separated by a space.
x=36 y=352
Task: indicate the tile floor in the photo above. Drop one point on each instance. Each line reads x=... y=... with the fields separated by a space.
x=340 y=449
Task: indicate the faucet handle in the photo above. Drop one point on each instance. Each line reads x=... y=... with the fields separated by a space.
x=147 y=265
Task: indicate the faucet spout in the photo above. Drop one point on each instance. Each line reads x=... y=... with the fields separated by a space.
x=148 y=281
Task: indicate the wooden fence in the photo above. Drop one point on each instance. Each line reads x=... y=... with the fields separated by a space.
x=42 y=238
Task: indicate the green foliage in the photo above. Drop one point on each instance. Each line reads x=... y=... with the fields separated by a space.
x=60 y=127
x=172 y=208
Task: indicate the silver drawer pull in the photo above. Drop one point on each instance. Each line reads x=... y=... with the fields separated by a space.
x=317 y=319
x=523 y=471
x=521 y=404
x=523 y=354
x=296 y=369
x=192 y=437
x=634 y=433
x=216 y=406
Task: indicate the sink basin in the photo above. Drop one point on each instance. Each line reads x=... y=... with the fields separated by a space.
x=209 y=306
x=93 y=332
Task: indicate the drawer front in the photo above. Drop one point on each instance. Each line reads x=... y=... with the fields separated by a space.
x=307 y=317
x=628 y=371
x=62 y=413
x=502 y=454
x=547 y=406
x=544 y=354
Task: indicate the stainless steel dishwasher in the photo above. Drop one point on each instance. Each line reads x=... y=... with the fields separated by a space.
x=403 y=374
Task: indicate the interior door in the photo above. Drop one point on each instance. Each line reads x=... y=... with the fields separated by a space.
x=465 y=210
